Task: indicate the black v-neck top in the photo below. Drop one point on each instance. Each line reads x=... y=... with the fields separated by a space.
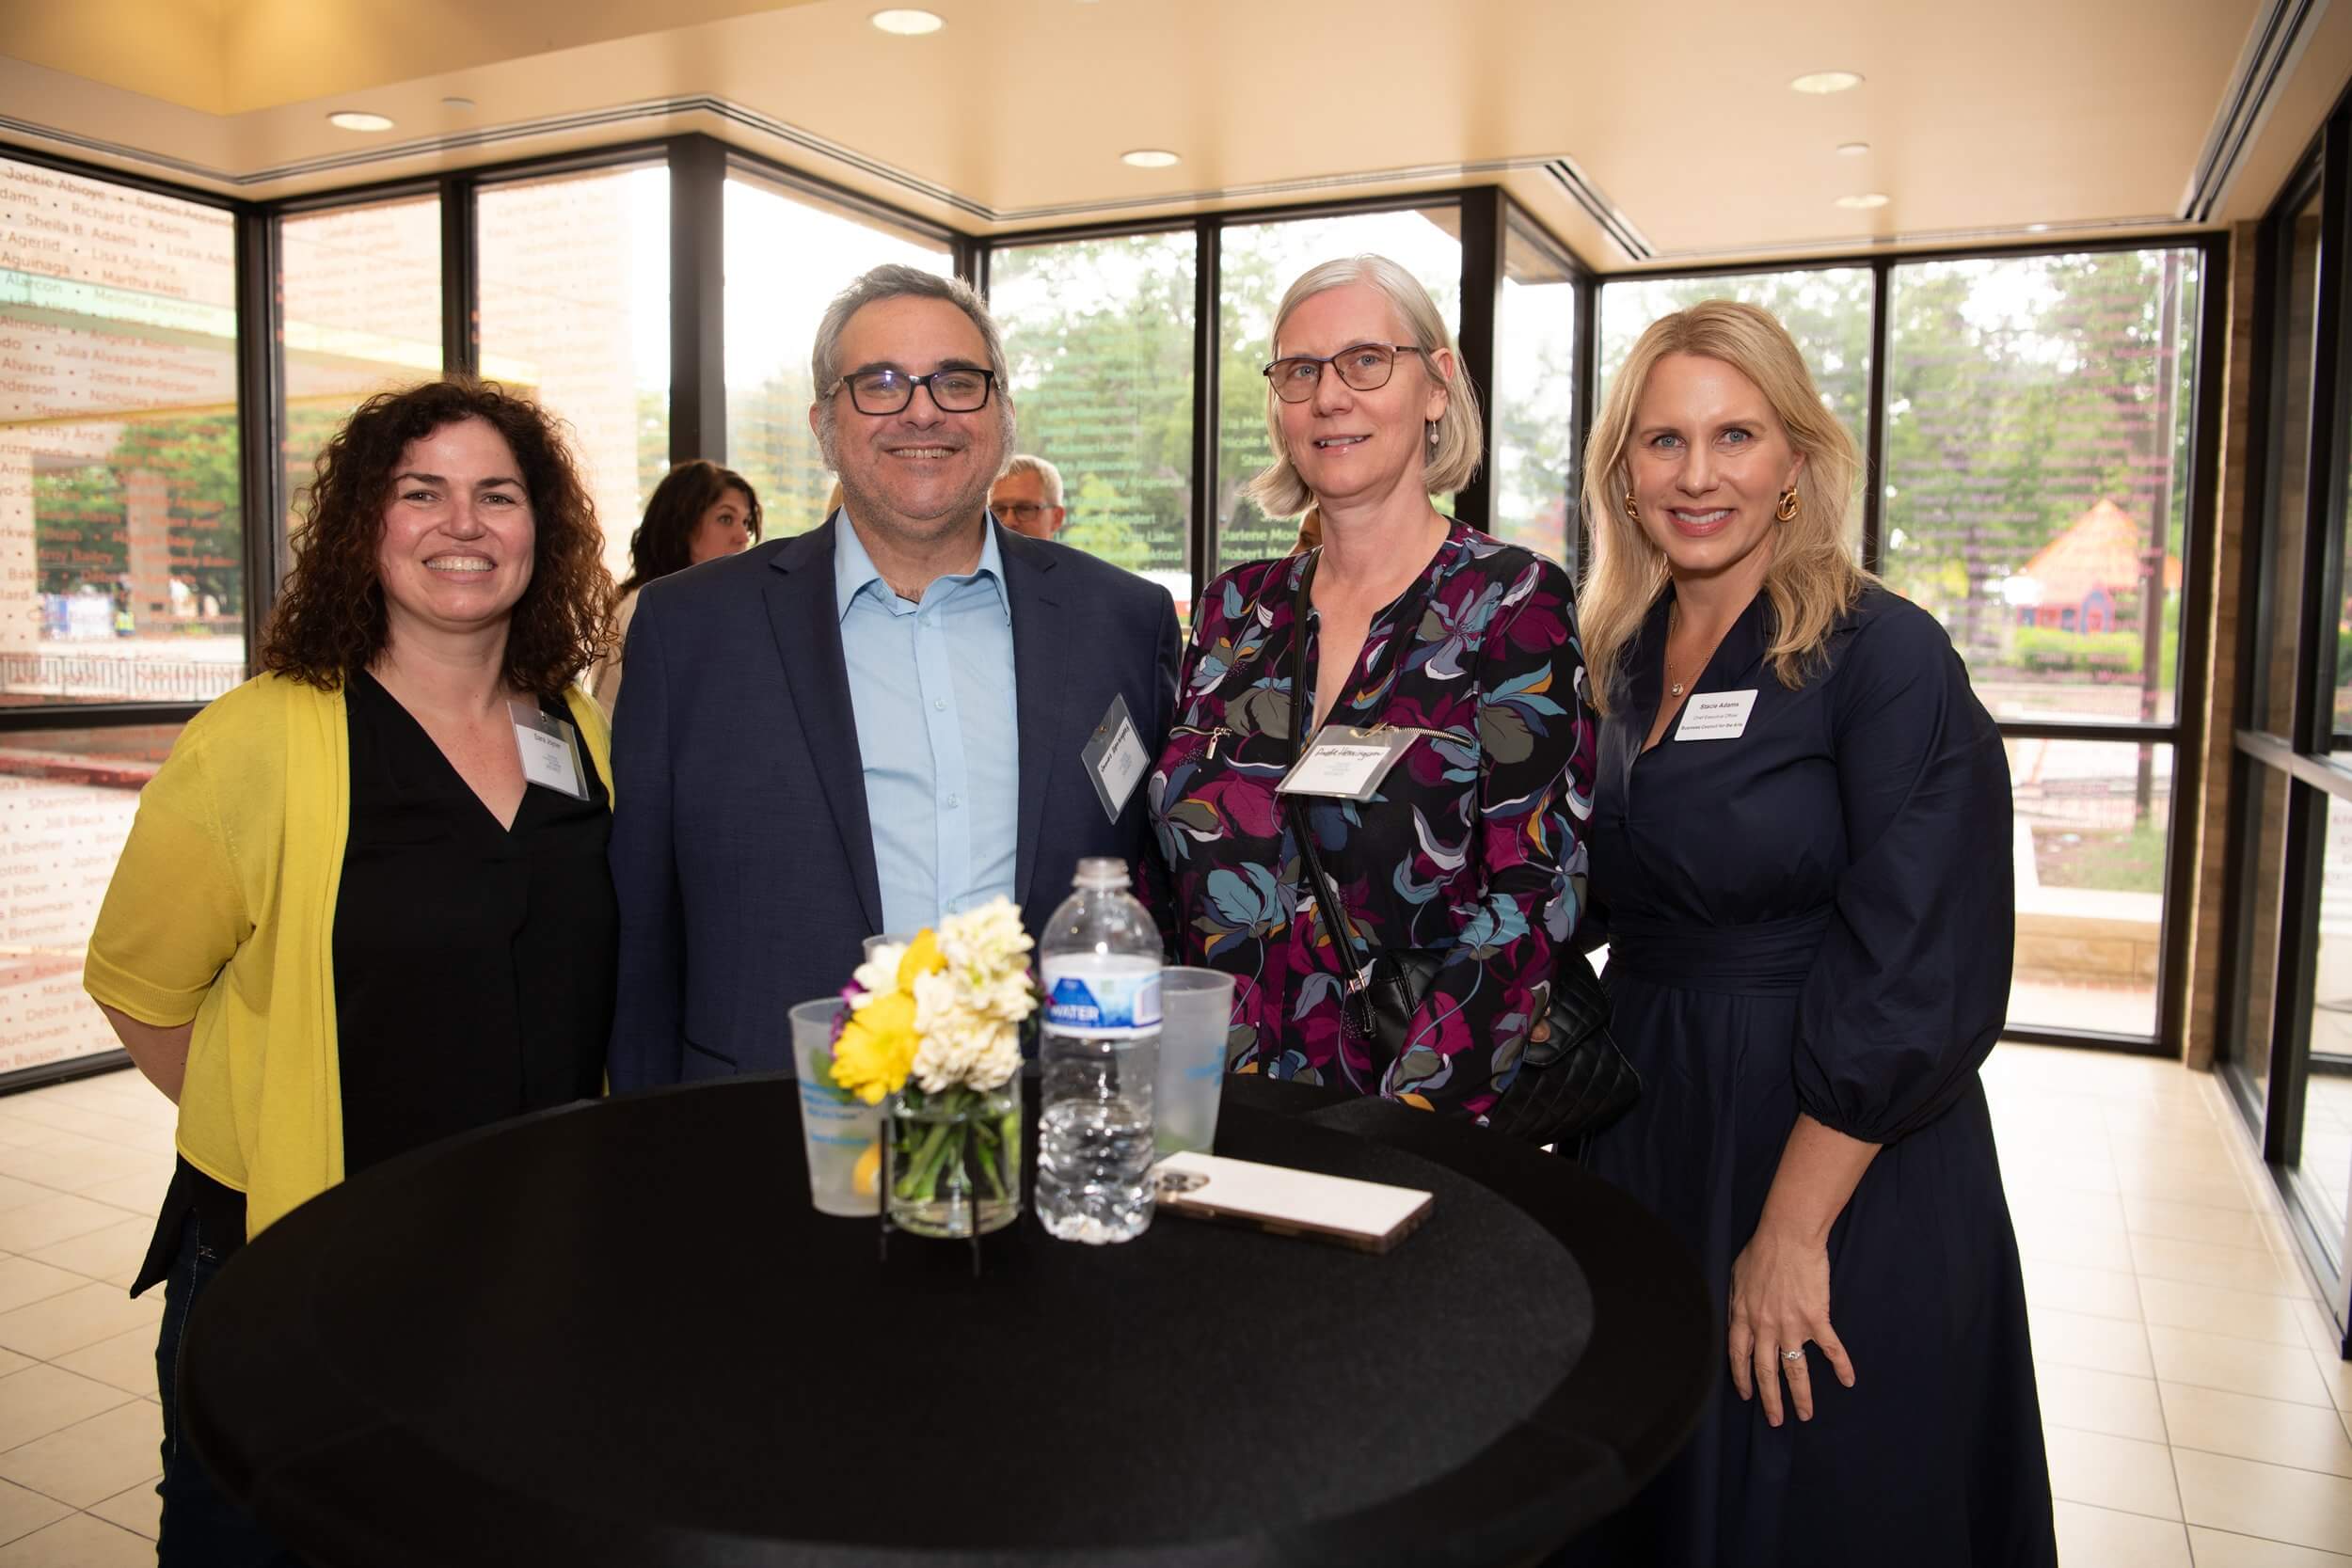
x=473 y=962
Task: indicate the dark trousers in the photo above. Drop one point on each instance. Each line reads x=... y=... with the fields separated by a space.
x=201 y=1527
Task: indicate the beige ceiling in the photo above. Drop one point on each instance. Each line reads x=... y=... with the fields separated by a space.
x=1984 y=121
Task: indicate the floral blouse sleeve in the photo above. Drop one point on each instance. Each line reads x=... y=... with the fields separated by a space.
x=1533 y=770
x=1472 y=846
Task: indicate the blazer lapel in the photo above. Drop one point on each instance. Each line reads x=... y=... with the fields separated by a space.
x=1039 y=682
x=807 y=625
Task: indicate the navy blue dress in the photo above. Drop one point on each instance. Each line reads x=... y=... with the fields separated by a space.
x=1818 y=916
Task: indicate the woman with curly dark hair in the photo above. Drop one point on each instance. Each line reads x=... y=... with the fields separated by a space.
x=698 y=513
x=364 y=905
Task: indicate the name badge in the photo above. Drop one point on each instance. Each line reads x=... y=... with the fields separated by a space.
x=1715 y=716
x=545 y=743
x=1345 y=763
x=1115 y=758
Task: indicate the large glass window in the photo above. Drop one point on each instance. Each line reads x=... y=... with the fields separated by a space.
x=121 y=521
x=1099 y=335
x=361 y=299
x=2263 y=799
x=2036 y=472
x=67 y=797
x=575 y=289
x=2278 y=626
x=1533 y=406
x=1826 y=310
x=2325 y=1144
x=2089 y=858
x=1257 y=263
x=787 y=258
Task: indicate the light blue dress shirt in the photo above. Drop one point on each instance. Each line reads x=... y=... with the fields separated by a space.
x=932 y=688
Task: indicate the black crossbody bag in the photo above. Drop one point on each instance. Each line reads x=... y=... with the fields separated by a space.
x=1570 y=1085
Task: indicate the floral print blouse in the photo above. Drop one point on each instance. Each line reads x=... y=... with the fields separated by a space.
x=1473 y=845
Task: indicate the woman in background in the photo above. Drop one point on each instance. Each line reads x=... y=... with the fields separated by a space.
x=364 y=904
x=698 y=513
x=1801 y=854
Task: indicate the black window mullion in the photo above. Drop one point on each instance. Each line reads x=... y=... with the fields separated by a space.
x=698 y=342
x=1874 y=460
x=1481 y=223
x=1208 y=334
x=461 y=293
x=260 y=422
x=2291 y=1010
x=1587 y=389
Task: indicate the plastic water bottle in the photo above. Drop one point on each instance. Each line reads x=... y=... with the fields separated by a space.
x=1099 y=962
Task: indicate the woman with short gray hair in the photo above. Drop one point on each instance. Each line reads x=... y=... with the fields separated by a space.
x=1457 y=652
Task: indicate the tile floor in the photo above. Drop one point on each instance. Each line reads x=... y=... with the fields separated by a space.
x=83 y=1167
x=2196 y=1413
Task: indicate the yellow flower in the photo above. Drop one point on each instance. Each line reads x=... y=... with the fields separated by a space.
x=922 y=958
x=865 y=1180
x=876 y=1049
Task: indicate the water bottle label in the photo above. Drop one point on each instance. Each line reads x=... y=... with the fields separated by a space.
x=1083 y=998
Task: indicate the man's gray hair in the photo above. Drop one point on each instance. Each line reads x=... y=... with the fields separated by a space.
x=892 y=280
x=1029 y=463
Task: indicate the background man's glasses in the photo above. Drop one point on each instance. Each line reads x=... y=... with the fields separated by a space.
x=954 y=392
x=1020 y=511
x=1365 y=367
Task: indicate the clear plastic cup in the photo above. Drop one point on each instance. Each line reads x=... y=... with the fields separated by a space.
x=894 y=939
x=1195 y=1008
x=841 y=1133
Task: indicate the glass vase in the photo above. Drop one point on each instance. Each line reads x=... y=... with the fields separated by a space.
x=951 y=1165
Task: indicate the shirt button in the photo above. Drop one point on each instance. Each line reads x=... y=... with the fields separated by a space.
x=954 y=800
x=940 y=703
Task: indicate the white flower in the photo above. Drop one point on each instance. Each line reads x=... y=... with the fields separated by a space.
x=988 y=939
x=965 y=1052
x=881 y=971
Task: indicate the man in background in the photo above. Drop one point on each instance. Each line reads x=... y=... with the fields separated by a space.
x=1027 y=498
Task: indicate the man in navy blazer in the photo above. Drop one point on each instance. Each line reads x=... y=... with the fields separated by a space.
x=861 y=728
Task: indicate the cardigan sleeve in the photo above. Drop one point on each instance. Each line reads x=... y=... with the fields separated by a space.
x=174 y=913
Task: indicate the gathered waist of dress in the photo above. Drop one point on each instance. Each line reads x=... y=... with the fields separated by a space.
x=1771 y=957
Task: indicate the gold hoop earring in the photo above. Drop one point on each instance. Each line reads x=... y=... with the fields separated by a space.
x=1789 y=507
x=1632 y=513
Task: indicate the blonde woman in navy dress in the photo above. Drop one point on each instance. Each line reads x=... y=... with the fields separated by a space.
x=1800 y=850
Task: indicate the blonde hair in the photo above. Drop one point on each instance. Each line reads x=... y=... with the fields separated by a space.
x=1447 y=463
x=1813 y=578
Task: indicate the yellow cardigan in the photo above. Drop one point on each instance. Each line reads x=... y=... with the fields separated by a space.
x=222 y=909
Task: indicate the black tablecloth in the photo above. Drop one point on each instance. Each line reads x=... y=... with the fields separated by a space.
x=617 y=1334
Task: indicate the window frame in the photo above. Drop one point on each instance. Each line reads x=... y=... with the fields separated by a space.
x=699 y=164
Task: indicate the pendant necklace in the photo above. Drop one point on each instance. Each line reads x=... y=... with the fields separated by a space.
x=1674 y=686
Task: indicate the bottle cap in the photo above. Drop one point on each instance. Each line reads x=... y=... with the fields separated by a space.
x=1101 y=871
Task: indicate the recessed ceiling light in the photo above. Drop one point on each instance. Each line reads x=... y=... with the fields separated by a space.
x=1867 y=201
x=907 y=24
x=1827 y=81
x=352 y=119
x=1150 y=157
x=1853 y=148
x=456 y=102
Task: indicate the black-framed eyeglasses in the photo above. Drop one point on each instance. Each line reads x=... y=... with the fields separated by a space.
x=1025 y=512
x=957 y=390
x=1366 y=367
